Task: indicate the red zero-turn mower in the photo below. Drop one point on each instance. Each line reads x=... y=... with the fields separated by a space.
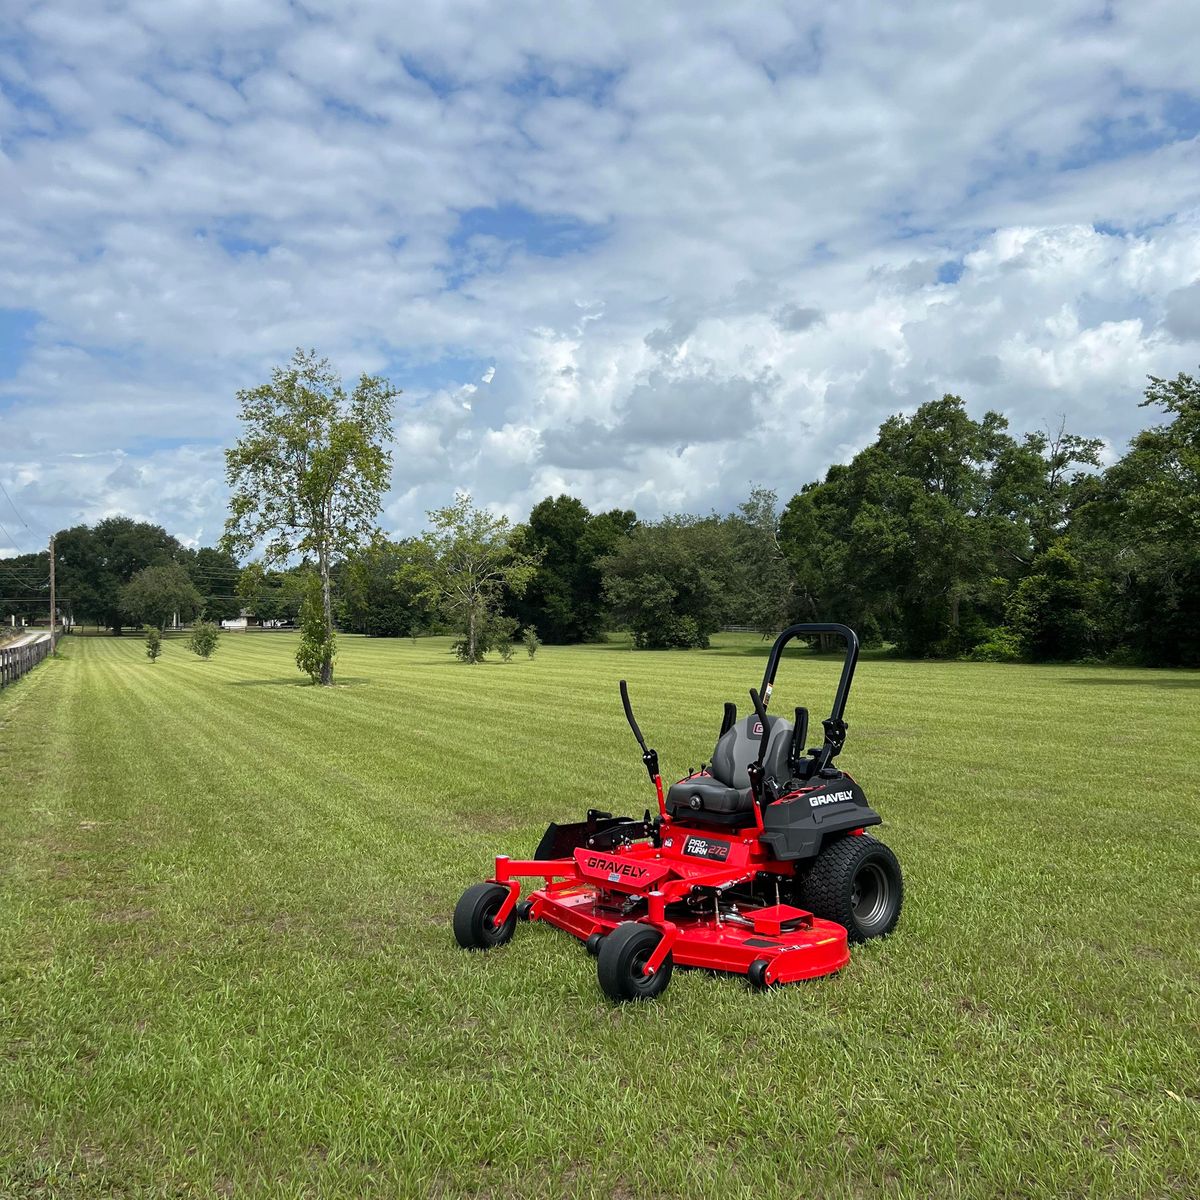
x=757 y=864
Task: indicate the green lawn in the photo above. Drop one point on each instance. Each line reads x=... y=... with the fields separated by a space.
x=226 y=965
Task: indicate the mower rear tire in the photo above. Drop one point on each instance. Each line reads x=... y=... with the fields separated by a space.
x=856 y=881
x=623 y=954
x=475 y=925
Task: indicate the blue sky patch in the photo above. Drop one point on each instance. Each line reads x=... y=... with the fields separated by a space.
x=950 y=272
x=1166 y=117
x=416 y=374
x=593 y=84
x=16 y=330
x=545 y=234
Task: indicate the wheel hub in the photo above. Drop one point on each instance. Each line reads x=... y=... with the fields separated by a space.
x=871 y=895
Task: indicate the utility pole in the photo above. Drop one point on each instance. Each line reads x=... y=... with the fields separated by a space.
x=53 y=614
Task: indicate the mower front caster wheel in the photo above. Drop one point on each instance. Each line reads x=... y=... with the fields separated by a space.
x=475 y=925
x=757 y=974
x=623 y=955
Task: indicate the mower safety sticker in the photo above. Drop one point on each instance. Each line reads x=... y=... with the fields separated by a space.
x=706 y=848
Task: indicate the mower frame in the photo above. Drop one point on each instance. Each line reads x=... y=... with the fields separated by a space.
x=687 y=878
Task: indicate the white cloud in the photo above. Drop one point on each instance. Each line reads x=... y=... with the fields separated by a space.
x=766 y=201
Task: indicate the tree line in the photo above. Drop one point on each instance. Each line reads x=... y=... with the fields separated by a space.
x=947 y=536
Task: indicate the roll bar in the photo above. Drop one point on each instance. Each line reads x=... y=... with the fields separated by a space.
x=834 y=724
x=794 y=631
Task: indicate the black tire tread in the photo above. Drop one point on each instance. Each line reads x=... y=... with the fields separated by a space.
x=468 y=917
x=614 y=962
x=825 y=892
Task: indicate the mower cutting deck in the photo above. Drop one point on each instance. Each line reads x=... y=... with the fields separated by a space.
x=757 y=864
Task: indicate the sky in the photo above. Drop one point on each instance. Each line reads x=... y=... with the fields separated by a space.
x=650 y=255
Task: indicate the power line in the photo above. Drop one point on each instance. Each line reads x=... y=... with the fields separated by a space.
x=24 y=582
x=14 y=507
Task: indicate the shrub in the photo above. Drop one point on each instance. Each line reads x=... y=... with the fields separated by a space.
x=1002 y=646
x=153 y=641
x=529 y=636
x=203 y=639
x=318 y=648
x=495 y=633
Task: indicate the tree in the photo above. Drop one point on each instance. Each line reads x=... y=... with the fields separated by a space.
x=318 y=643
x=673 y=583
x=215 y=574
x=93 y=564
x=203 y=639
x=25 y=586
x=153 y=641
x=310 y=470
x=157 y=594
x=565 y=596
x=1140 y=533
x=908 y=540
x=467 y=563
x=1033 y=488
x=764 y=589
x=1052 y=612
x=378 y=598
x=273 y=596
x=529 y=636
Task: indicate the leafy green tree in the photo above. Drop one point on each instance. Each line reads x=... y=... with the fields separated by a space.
x=565 y=598
x=502 y=632
x=1140 y=531
x=157 y=594
x=273 y=596
x=94 y=564
x=379 y=599
x=318 y=643
x=532 y=643
x=1052 y=614
x=672 y=582
x=215 y=574
x=153 y=641
x=25 y=587
x=921 y=537
x=466 y=564
x=1035 y=485
x=764 y=588
x=310 y=470
x=203 y=639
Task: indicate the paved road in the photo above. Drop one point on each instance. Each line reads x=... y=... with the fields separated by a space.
x=28 y=639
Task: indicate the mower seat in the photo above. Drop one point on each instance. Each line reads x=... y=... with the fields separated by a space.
x=723 y=791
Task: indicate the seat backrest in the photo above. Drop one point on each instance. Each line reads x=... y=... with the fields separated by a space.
x=738 y=748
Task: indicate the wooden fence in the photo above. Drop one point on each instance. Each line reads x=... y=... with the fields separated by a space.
x=16 y=661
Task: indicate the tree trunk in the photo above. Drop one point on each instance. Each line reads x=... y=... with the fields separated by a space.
x=471 y=633
x=327 y=605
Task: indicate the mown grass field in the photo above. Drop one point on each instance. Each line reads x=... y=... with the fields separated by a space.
x=226 y=965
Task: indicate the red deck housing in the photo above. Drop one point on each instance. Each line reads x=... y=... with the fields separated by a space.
x=590 y=892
